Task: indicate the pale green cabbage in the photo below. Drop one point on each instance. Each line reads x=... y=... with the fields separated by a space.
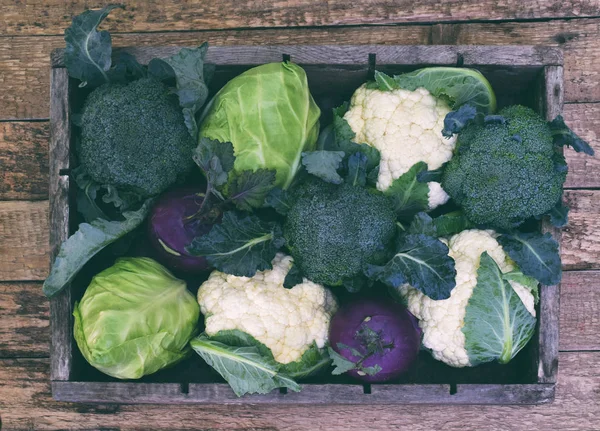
x=269 y=116
x=135 y=318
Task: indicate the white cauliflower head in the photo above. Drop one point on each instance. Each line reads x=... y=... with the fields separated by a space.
x=442 y=321
x=406 y=127
x=287 y=321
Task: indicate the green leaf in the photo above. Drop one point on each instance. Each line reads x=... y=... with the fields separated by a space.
x=564 y=136
x=188 y=69
x=422 y=262
x=535 y=254
x=84 y=244
x=312 y=362
x=524 y=280
x=459 y=86
x=497 y=324
x=88 y=52
x=324 y=164
x=279 y=200
x=559 y=214
x=245 y=363
x=215 y=159
x=239 y=245
x=423 y=223
x=357 y=169
x=341 y=364
x=427 y=176
x=248 y=190
x=451 y=223
x=408 y=195
x=125 y=68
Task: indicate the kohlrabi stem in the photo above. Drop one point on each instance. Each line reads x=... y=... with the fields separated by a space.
x=198 y=213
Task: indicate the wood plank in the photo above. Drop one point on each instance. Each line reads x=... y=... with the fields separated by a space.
x=24 y=239
x=442 y=55
x=61 y=311
x=170 y=393
x=584 y=119
x=24 y=61
x=25 y=403
x=581 y=238
x=24 y=331
x=24 y=249
x=44 y=17
x=24 y=160
x=580 y=311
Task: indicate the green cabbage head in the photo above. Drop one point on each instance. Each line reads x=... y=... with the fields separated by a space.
x=135 y=318
x=269 y=116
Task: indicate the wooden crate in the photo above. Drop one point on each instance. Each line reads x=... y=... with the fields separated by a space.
x=529 y=75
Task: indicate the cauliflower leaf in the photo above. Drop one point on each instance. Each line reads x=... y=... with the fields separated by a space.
x=508 y=325
x=408 y=195
x=421 y=261
x=245 y=363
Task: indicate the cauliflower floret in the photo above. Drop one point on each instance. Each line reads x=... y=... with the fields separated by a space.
x=442 y=321
x=406 y=127
x=287 y=321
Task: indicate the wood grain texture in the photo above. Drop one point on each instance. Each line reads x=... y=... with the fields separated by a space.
x=26 y=404
x=584 y=119
x=580 y=311
x=581 y=238
x=24 y=251
x=61 y=311
x=24 y=161
x=441 y=55
x=44 y=17
x=24 y=314
x=24 y=61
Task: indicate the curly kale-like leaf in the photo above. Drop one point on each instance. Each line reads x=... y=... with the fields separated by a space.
x=279 y=200
x=188 y=69
x=240 y=245
x=535 y=254
x=84 y=244
x=248 y=190
x=564 y=136
x=324 y=164
x=215 y=159
x=422 y=262
x=88 y=51
x=244 y=362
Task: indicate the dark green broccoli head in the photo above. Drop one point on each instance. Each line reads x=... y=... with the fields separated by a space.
x=503 y=174
x=133 y=137
x=333 y=231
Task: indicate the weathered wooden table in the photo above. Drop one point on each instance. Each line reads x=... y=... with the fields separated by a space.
x=29 y=30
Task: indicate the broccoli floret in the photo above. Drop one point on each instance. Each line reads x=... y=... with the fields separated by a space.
x=503 y=174
x=334 y=231
x=133 y=137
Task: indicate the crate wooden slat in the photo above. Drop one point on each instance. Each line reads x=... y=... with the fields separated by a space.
x=538 y=70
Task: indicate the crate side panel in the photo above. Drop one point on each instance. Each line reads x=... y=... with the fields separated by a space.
x=470 y=55
x=553 y=99
x=59 y=147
